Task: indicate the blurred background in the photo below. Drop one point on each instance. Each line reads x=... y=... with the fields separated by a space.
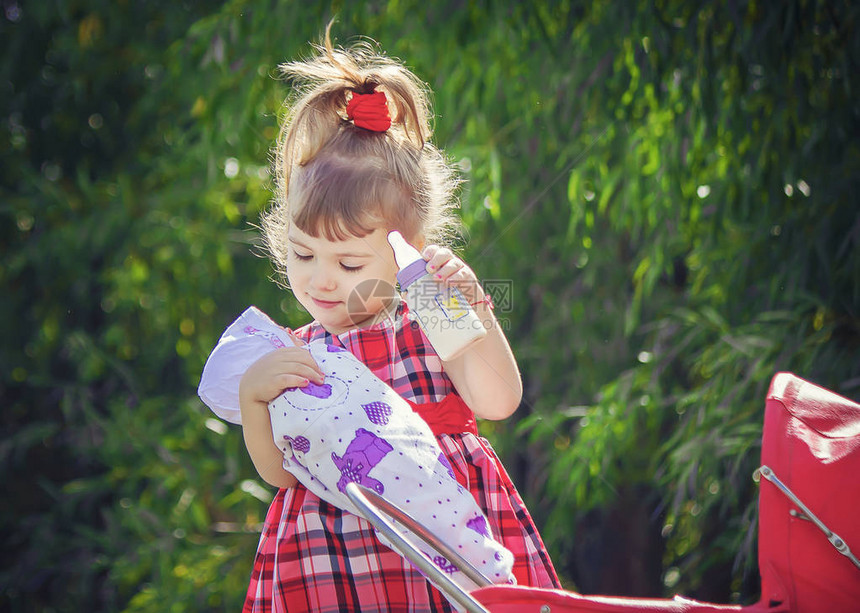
x=667 y=189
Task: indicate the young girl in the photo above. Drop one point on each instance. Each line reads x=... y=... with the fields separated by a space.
x=355 y=162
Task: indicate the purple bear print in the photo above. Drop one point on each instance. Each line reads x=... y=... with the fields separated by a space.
x=364 y=452
x=378 y=412
x=479 y=525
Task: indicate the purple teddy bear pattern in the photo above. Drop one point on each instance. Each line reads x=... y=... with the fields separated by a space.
x=364 y=452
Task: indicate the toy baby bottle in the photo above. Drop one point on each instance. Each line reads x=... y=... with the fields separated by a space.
x=448 y=320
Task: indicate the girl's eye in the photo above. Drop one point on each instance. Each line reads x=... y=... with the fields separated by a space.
x=351 y=268
x=302 y=257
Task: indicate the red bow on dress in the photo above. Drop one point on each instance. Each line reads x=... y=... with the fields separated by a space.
x=451 y=415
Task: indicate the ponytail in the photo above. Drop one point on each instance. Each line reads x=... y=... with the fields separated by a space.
x=328 y=81
x=354 y=151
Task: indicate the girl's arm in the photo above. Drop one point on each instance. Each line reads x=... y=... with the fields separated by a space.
x=486 y=375
x=265 y=380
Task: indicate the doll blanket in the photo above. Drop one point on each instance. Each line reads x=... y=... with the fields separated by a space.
x=355 y=428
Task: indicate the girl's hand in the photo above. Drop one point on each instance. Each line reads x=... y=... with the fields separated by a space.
x=448 y=269
x=268 y=377
x=486 y=374
x=264 y=381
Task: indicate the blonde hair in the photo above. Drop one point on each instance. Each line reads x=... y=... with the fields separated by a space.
x=338 y=180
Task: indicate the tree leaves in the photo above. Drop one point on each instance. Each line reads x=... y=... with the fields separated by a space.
x=669 y=187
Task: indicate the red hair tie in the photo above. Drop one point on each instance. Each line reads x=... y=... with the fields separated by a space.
x=369 y=111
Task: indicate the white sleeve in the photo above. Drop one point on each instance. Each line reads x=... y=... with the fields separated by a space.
x=244 y=342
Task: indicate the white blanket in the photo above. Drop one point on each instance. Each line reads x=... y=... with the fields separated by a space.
x=354 y=427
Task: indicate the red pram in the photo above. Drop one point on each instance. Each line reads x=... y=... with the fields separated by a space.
x=810 y=491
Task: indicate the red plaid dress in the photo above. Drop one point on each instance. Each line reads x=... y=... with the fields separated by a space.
x=314 y=557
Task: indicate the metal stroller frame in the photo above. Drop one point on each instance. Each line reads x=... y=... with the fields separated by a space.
x=811 y=429
x=372 y=506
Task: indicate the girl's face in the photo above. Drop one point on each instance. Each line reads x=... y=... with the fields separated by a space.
x=342 y=284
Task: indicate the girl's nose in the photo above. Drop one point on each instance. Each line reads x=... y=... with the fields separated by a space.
x=322 y=279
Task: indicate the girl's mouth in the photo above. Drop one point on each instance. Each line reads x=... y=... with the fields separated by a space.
x=325 y=304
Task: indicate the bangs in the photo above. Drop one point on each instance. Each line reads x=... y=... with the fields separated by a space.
x=337 y=200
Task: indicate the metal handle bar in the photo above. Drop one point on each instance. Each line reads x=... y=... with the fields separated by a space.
x=369 y=503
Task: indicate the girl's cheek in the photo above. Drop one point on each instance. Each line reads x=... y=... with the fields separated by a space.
x=295 y=276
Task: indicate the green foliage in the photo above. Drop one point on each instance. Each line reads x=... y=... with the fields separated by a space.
x=670 y=186
x=739 y=221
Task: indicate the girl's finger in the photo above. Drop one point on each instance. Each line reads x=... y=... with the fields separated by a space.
x=437 y=258
x=429 y=251
x=468 y=285
x=286 y=382
x=291 y=359
x=308 y=372
x=296 y=354
x=449 y=268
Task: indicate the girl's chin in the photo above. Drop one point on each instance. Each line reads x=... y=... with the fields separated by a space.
x=340 y=324
x=335 y=321
x=338 y=320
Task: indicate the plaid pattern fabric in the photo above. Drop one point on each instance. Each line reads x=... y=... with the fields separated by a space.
x=314 y=557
